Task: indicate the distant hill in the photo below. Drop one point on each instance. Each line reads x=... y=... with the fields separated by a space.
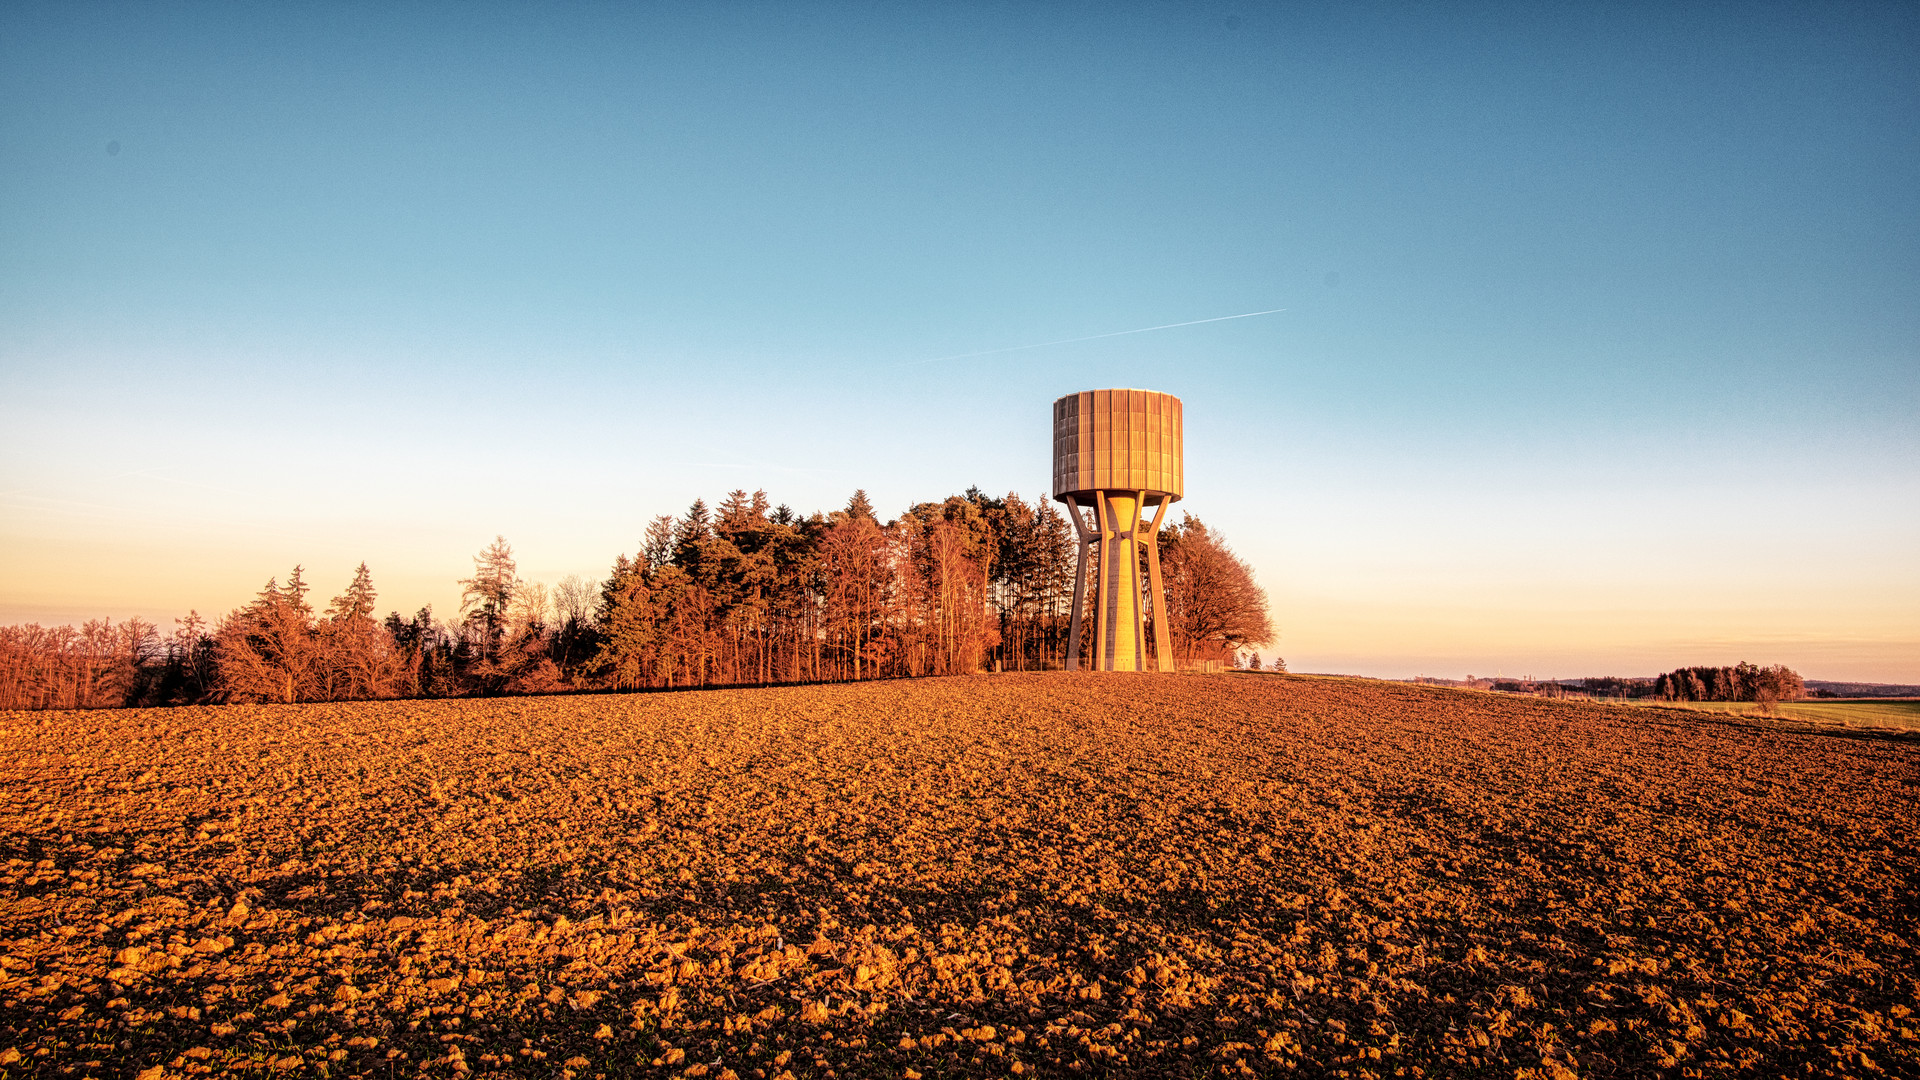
x=1829 y=688
x=1638 y=687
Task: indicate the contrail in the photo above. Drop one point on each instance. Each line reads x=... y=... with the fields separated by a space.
x=1090 y=337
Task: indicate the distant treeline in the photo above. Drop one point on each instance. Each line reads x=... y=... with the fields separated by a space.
x=1741 y=682
x=1832 y=688
x=739 y=594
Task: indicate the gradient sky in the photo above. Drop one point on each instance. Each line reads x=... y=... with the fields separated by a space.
x=1600 y=350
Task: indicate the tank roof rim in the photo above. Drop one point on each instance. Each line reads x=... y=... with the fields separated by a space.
x=1129 y=389
x=1171 y=496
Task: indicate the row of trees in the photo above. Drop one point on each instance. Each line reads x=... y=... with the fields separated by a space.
x=86 y=667
x=1742 y=682
x=741 y=593
x=749 y=593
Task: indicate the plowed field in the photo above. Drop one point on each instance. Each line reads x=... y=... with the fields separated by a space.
x=1061 y=874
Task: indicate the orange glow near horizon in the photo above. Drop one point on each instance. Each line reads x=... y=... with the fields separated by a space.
x=1342 y=602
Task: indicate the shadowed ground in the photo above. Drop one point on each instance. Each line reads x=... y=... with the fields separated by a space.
x=1098 y=874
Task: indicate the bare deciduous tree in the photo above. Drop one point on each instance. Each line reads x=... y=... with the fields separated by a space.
x=575 y=598
x=267 y=650
x=530 y=612
x=1214 y=607
x=98 y=665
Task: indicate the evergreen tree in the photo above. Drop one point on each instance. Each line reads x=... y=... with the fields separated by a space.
x=359 y=659
x=656 y=549
x=357 y=601
x=295 y=593
x=267 y=650
x=191 y=673
x=628 y=627
x=485 y=596
x=690 y=530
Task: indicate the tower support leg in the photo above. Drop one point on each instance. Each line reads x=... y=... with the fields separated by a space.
x=1119 y=528
x=1103 y=595
x=1079 y=586
x=1121 y=640
x=1162 y=644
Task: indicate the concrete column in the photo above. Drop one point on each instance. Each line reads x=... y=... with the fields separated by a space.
x=1122 y=637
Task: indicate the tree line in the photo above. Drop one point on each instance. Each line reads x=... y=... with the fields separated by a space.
x=740 y=593
x=1741 y=682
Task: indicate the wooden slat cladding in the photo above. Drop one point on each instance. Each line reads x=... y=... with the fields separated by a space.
x=1117 y=440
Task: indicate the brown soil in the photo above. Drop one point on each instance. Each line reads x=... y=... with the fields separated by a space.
x=1062 y=874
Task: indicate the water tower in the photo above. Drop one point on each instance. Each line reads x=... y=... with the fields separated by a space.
x=1116 y=453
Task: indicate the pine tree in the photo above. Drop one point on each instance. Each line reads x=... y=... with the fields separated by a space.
x=693 y=526
x=484 y=596
x=735 y=509
x=360 y=658
x=357 y=601
x=295 y=593
x=656 y=549
x=190 y=660
x=627 y=626
x=267 y=650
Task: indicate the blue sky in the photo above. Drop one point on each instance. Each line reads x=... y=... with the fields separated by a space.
x=1598 y=350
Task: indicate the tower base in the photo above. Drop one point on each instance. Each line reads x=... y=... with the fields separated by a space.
x=1119 y=642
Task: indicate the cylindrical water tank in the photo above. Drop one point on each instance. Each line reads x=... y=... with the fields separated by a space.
x=1117 y=440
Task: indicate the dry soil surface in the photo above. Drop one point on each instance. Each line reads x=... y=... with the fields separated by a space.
x=1061 y=874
